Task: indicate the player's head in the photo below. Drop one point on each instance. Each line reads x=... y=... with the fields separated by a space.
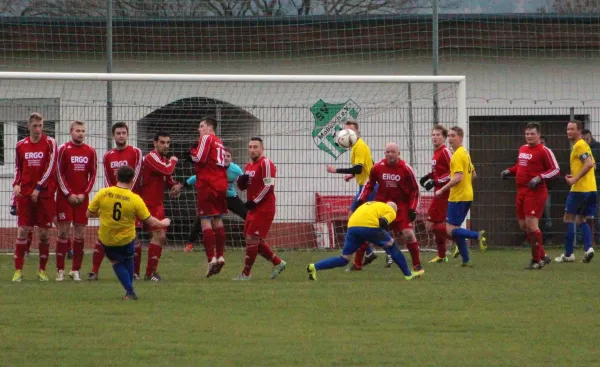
x=208 y=126
x=574 y=129
x=392 y=153
x=455 y=136
x=255 y=148
x=586 y=134
x=162 y=142
x=533 y=133
x=393 y=205
x=439 y=133
x=35 y=125
x=227 y=156
x=125 y=176
x=352 y=125
x=120 y=132
x=77 y=131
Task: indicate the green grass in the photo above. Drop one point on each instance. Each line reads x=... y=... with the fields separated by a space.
x=494 y=314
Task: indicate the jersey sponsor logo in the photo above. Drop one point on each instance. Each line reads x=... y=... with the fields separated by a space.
x=34 y=155
x=329 y=119
x=79 y=159
x=525 y=156
x=251 y=173
x=391 y=177
x=118 y=164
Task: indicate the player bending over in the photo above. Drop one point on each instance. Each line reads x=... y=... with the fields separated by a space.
x=76 y=171
x=259 y=180
x=535 y=164
x=118 y=208
x=397 y=183
x=369 y=223
x=157 y=172
x=581 y=201
x=460 y=186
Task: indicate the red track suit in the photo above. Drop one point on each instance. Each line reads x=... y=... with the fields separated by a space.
x=533 y=161
x=440 y=173
x=261 y=190
x=397 y=183
x=112 y=161
x=157 y=173
x=35 y=166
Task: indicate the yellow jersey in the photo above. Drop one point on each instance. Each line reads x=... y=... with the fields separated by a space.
x=118 y=209
x=461 y=163
x=368 y=214
x=581 y=151
x=361 y=155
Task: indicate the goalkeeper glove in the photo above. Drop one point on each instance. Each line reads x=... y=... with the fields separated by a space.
x=412 y=215
x=243 y=179
x=383 y=223
x=429 y=185
x=504 y=175
x=250 y=204
x=424 y=179
x=534 y=182
x=13 y=210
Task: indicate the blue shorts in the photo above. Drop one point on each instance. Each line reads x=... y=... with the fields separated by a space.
x=119 y=253
x=356 y=236
x=371 y=197
x=581 y=203
x=457 y=212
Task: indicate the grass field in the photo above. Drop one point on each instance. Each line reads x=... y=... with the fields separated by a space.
x=494 y=314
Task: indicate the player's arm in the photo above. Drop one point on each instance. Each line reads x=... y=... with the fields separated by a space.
x=445 y=177
x=354 y=170
x=93 y=210
x=108 y=172
x=510 y=171
x=200 y=153
x=412 y=188
x=139 y=159
x=142 y=212
x=550 y=164
x=386 y=218
x=268 y=179
x=93 y=167
x=191 y=181
x=242 y=181
x=155 y=164
x=457 y=167
x=17 y=180
x=586 y=158
x=61 y=172
x=50 y=166
x=369 y=187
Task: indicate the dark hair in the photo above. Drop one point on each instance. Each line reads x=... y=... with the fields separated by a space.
x=586 y=132
x=125 y=174
x=352 y=123
x=578 y=123
x=159 y=134
x=119 y=125
x=227 y=149
x=534 y=125
x=36 y=116
x=211 y=121
x=441 y=128
x=256 y=138
x=458 y=130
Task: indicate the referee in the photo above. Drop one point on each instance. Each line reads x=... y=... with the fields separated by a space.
x=118 y=207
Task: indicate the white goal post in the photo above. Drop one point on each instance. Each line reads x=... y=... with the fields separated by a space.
x=295 y=115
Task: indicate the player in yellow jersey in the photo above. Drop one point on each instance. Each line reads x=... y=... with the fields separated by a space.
x=362 y=162
x=460 y=186
x=118 y=207
x=581 y=201
x=369 y=223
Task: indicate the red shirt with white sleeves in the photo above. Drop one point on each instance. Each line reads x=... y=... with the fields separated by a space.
x=209 y=164
x=534 y=161
x=76 y=168
x=115 y=158
x=440 y=168
x=35 y=165
x=396 y=182
x=261 y=183
x=157 y=173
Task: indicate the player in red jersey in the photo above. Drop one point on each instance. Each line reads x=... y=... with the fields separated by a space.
x=122 y=155
x=397 y=183
x=34 y=187
x=436 y=179
x=535 y=164
x=211 y=192
x=157 y=173
x=76 y=172
x=259 y=181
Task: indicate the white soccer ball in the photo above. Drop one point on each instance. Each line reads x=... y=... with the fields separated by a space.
x=346 y=138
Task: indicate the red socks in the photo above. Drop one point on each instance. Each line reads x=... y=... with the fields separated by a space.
x=20 y=248
x=251 y=253
x=137 y=258
x=154 y=252
x=29 y=240
x=44 y=249
x=413 y=248
x=77 y=254
x=537 y=247
x=359 y=256
x=439 y=232
x=209 y=239
x=97 y=257
x=220 y=239
x=62 y=247
x=265 y=251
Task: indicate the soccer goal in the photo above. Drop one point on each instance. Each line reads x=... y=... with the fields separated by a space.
x=296 y=115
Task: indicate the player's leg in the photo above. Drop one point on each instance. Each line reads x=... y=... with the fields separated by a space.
x=78 y=248
x=25 y=223
x=359 y=255
x=220 y=241
x=457 y=213
x=209 y=241
x=62 y=247
x=573 y=206
x=353 y=241
x=193 y=236
x=45 y=216
x=236 y=206
x=413 y=248
x=436 y=224
x=121 y=258
x=383 y=239
x=158 y=240
x=44 y=249
x=261 y=229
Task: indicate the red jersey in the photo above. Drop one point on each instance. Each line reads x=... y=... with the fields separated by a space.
x=534 y=161
x=209 y=163
x=77 y=165
x=261 y=182
x=397 y=183
x=115 y=158
x=440 y=168
x=35 y=165
x=157 y=173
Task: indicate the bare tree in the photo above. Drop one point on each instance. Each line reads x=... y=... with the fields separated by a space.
x=571 y=7
x=358 y=7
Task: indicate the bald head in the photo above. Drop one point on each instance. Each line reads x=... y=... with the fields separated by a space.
x=392 y=153
x=393 y=205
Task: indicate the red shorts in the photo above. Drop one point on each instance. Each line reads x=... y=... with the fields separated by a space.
x=530 y=203
x=210 y=203
x=437 y=210
x=40 y=214
x=66 y=212
x=157 y=212
x=258 y=222
x=401 y=222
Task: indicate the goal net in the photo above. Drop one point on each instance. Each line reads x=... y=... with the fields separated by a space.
x=296 y=116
